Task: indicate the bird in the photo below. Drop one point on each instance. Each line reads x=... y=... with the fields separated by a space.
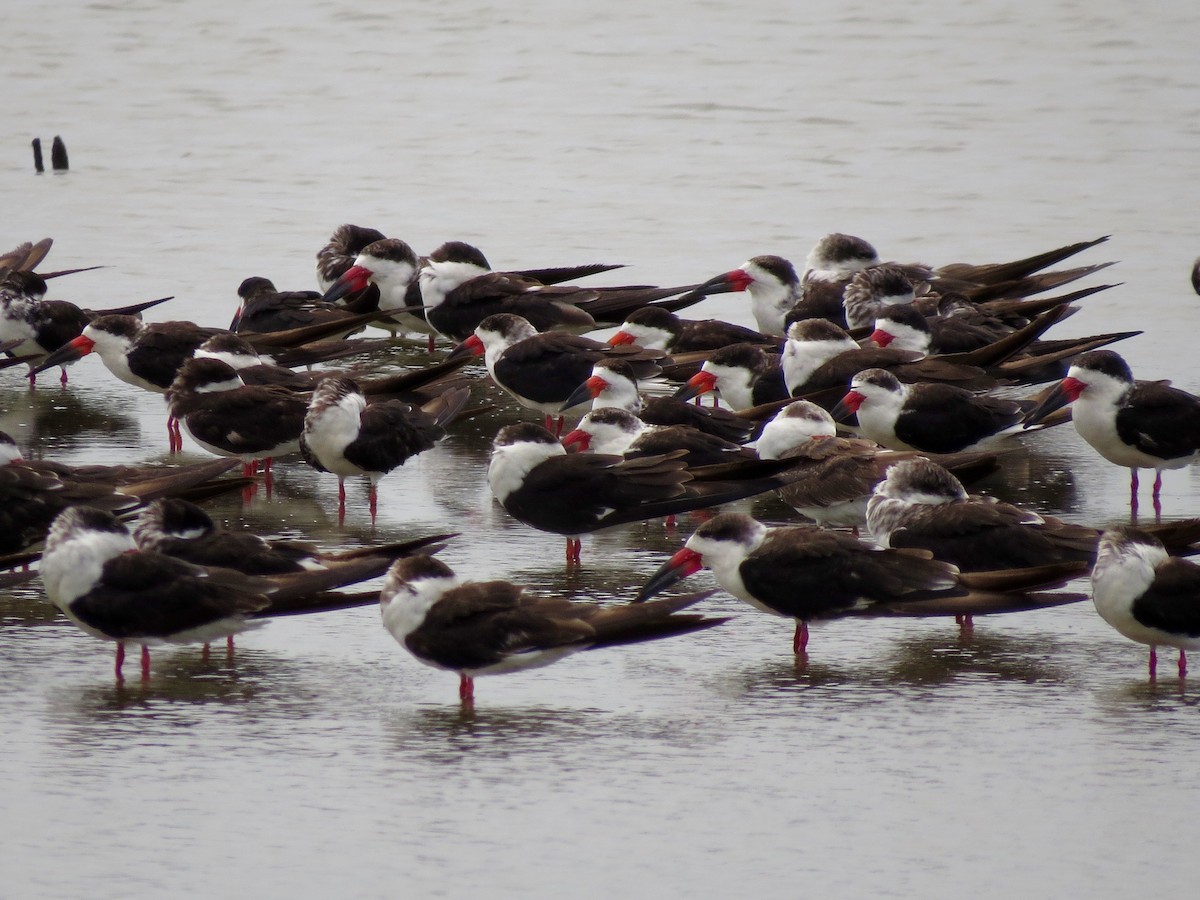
x=1014 y=355
x=149 y=355
x=819 y=355
x=460 y=290
x=391 y=266
x=264 y=309
x=656 y=328
x=183 y=530
x=772 y=284
x=95 y=573
x=807 y=573
x=833 y=477
x=613 y=383
x=615 y=431
x=34 y=492
x=1146 y=594
x=339 y=252
x=934 y=418
x=1136 y=424
x=541 y=371
x=539 y=484
x=229 y=418
x=345 y=435
x=920 y=504
x=479 y=628
x=842 y=264
x=40 y=326
x=742 y=375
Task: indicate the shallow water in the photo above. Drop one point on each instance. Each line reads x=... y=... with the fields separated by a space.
x=209 y=143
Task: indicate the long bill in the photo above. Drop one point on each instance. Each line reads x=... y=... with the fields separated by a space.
x=585 y=393
x=847 y=406
x=472 y=346
x=69 y=352
x=1059 y=396
x=685 y=562
x=700 y=383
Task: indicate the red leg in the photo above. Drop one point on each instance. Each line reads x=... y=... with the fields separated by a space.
x=63 y=378
x=800 y=640
x=204 y=653
x=1153 y=663
x=548 y=423
x=1182 y=663
x=466 y=689
x=229 y=646
x=32 y=381
x=145 y=663
x=431 y=345
x=373 y=502
x=341 y=501
x=574 y=548
x=1157 y=500
x=120 y=660
x=558 y=427
x=1133 y=498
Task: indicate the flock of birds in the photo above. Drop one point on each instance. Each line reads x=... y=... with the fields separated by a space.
x=918 y=362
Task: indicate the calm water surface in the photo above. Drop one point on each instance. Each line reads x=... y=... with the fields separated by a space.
x=212 y=142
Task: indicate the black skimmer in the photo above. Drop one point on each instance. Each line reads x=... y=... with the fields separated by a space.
x=1146 y=594
x=656 y=328
x=33 y=492
x=819 y=355
x=229 y=418
x=345 y=435
x=1012 y=354
x=479 y=628
x=391 y=266
x=742 y=375
x=541 y=371
x=807 y=573
x=833 y=477
x=183 y=530
x=264 y=309
x=339 y=253
x=933 y=418
x=27 y=256
x=460 y=290
x=614 y=384
x=920 y=504
x=539 y=484
x=617 y=432
x=414 y=386
x=872 y=292
x=838 y=261
x=95 y=573
x=147 y=356
x=1136 y=424
x=43 y=326
x=772 y=284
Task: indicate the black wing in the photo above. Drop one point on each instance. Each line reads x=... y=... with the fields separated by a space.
x=1160 y=420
